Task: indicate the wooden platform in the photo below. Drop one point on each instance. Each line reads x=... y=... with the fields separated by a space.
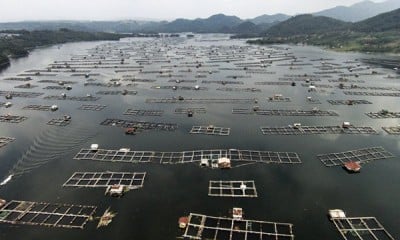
x=46 y=214
x=362 y=156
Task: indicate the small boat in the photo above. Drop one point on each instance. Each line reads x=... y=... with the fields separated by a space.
x=5 y=181
x=183 y=222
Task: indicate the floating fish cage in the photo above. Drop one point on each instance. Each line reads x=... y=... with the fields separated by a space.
x=364 y=155
x=140 y=125
x=57 y=81
x=72 y=98
x=210 y=130
x=310 y=130
x=198 y=100
x=126 y=92
x=139 y=80
x=234 y=155
x=285 y=112
x=22 y=79
x=274 y=83
x=232 y=189
x=348 y=102
x=182 y=81
x=5 y=140
x=41 y=107
x=201 y=226
x=12 y=118
x=392 y=130
x=374 y=94
x=26 y=86
x=61 y=122
x=316 y=85
x=227 y=89
x=21 y=94
x=360 y=228
x=383 y=114
x=140 y=112
x=196 y=88
x=130 y=180
x=187 y=110
x=46 y=214
x=222 y=82
x=92 y=107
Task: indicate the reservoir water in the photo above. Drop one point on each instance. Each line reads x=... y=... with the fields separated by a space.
x=41 y=156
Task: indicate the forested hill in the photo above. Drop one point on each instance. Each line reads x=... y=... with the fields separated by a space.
x=307 y=24
x=18 y=43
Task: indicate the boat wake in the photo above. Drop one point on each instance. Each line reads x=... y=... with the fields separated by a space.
x=50 y=145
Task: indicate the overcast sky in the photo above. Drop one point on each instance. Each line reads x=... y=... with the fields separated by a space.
x=17 y=10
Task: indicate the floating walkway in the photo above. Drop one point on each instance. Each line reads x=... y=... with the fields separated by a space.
x=364 y=155
x=348 y=102
x=46 y=214
x=280 y=112
x=235 y=156
x=12 y=119
x=130 y=180
x=92 y=107
x=5 y=140
x=199 y=100
x=139 y=125
x=201 y=226
x=360 y=228
x=310 y=130
x=210 y=130
x=138 y=112
x=232 y=189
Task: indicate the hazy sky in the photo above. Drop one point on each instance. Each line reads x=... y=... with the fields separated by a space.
x=17 y=10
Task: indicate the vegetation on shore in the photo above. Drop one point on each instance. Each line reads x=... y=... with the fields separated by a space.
x=376 y=34
x=19 y=43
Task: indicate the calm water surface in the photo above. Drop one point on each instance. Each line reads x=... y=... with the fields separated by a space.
x=299 y=194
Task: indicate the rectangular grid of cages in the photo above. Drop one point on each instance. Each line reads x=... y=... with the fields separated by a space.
x=12 y=119
x=392 y=130
x=248 y=156
x=143 y=112
x=278 y=112
x=348 y=102
x=309 y=130
x=46 y=214
x=73 y=98
x=360 y=228
x=210 y=130
x=187 y=110
x=5 y=140
x=383 y=114
x=21 y=94
x=229 y=89
x=198 y=100
x=374 y=94
x=360 y=155
x=38 y=107
x=140 y=125
x=232 y=189
x=221 y=228
x=92 y=107
x=60 y=122
x=130 y=180
x=222 y=82
x=124 y=92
